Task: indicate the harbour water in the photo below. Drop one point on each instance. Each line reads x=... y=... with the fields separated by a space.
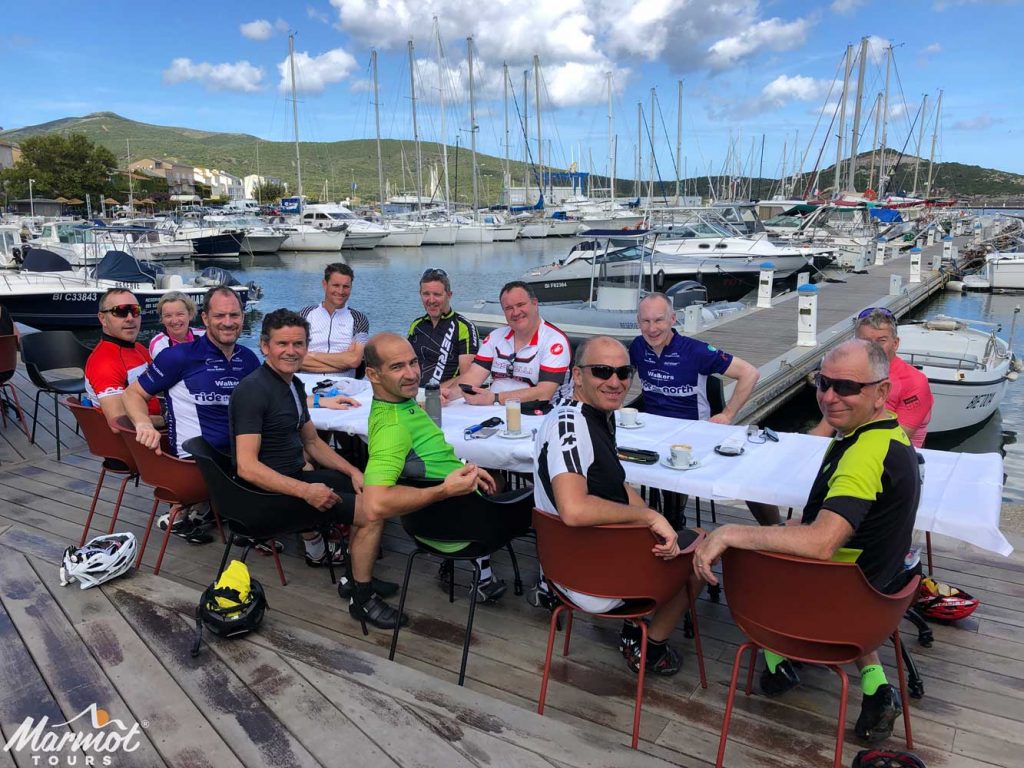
x=386 y=289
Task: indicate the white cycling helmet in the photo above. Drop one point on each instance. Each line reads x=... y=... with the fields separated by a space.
x=101 y=559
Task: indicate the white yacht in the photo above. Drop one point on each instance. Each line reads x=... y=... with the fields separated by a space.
x=359 y=233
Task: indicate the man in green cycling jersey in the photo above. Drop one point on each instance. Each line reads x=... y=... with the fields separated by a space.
x=404 y=442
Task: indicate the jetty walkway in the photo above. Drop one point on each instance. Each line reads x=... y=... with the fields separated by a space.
x=307 y=689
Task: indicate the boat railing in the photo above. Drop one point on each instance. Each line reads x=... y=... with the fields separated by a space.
x=943 y=360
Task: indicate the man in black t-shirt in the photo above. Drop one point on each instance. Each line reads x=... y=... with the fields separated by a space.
x=864 y=498
x=272 y=435
x=577 y=476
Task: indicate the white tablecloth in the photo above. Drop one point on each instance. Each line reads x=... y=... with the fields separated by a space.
x=962 y=495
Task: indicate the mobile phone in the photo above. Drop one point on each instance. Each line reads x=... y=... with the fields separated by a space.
x=771 y=434
x=469 y=389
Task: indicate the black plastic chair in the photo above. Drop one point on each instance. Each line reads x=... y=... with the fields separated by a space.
x=234 y=500
x=48 y=351
x=506 y=516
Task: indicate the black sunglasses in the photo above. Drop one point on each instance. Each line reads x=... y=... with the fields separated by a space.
x=604 y=372
x=123 y=310
x=433 y=272
x=843 y=387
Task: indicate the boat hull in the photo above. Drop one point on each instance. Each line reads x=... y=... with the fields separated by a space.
x=320 y=240
x=256 y=244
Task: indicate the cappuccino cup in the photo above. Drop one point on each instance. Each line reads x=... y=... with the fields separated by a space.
x=628 y=417
x=682 y=455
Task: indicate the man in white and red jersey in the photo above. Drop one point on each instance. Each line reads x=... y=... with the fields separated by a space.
x=528 y=359
x=118 y=359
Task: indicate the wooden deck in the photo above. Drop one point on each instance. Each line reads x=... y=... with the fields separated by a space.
x=308 y=689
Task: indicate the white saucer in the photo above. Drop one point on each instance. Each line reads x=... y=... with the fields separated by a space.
x=667 y=463
x=638 y=424
x=515 y=435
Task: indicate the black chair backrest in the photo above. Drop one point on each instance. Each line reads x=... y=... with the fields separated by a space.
x=49 y=350
x=471 y=518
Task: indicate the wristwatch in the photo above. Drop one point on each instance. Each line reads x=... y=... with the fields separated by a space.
x=496 y=400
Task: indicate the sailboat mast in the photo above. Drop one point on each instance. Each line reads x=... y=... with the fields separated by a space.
x=842 y=121
x=920 y=139
x=416 y=132
x=650 y=160
x=611 y=144
x=540 y=143
x=935 y=136
x=472 y=123
x=295 y=117
x=639 y=145
x=874 y=139
x=679 y=134
x=507 y=176
x=376 y=122
x=444 y=125
x=852 y=180
x=131 y=189
x=882 y=180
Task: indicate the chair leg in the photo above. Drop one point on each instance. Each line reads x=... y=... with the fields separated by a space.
x=640 y=685
x=277 y=564
x=517 y=587
x=330 y=560
x=56 y=418
x=552 y=629
x=469 y=621
x=451 y=583
x=841 y=728
x=117 y=504
x=750 y=669
x=224 y=557
x=714 y=515
x=35 y=416
x=220 y=526
x=401 y=603
x=3 y=403
x=928 y=544
x=149 y=528
x=729 y=700
x=903 y=687
x=568 y=634
x=167 y=537
x=92 y=507
x=696 y=635
x=696 y=509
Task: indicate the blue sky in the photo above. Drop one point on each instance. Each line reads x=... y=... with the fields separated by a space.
x=749 y=67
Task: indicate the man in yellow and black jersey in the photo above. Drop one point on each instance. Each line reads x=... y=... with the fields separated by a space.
x=864 y=497
x=444 y=341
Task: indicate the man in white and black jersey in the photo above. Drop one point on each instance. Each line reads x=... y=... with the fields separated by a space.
x=337 y=332
x=528 y=359
x=577 y=476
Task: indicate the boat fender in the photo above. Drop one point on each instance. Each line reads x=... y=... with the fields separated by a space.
x=956 y=286
x=659 y=279
x=1012 y=376
x=943 y=325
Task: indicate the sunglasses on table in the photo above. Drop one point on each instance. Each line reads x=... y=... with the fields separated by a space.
x=604 y=372
x=843 y=387
x=124 y=310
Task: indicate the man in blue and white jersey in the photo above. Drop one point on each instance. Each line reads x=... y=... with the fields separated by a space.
x=198 y=378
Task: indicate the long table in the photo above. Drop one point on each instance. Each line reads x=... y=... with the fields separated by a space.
x=962 y=494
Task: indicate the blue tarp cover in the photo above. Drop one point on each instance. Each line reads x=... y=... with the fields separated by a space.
x=42 y=260
x=124 y=268
x=887 y=215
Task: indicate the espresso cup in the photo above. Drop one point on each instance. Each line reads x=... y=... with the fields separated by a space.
x=682 y=455
x=628 y=416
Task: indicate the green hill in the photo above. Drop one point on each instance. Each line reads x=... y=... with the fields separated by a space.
x=340 y=162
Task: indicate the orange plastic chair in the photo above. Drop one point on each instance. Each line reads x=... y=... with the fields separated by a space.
x=108 y=446
x=175 y=481
x=830 y=615
x=8 y=365
x=612 y=561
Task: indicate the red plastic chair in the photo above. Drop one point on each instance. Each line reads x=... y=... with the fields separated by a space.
x=8 y=365
x=831 y=615
x=175 y=481
x=612 y=561
x=108 y=446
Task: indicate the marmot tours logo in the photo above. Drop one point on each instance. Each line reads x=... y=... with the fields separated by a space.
x=100 y=738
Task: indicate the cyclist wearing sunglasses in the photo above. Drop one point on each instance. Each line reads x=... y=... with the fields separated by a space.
x=118 y=359
x=445 y=342
x=864 y=497
x=578 y=476
x=910 y=397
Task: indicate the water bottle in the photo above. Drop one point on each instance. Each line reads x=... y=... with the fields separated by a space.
x=85 y=401
x=433 y=404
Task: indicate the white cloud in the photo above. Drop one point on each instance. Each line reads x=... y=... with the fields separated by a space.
x=876 y=48
x=781 y=92
x=931 y=50
x=239 y=76
x=979 y=123
x=314 y=73
x=773 y=34
x=261 y=29
x=846 y=7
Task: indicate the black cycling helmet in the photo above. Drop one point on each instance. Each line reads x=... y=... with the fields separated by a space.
x=885 y=758
x=223 y=611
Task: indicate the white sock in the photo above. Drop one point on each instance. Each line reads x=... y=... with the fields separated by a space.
x=485 y=568
x=315 y=547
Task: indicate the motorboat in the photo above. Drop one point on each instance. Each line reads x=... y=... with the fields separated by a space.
x=258 y=236
x=1005 y=271
x=967 y=364
x=360 y=234
x=306 y=237
x=10 y=246
x=207 y=241
x=84 y=244
x=617 y=287
x=48 y=292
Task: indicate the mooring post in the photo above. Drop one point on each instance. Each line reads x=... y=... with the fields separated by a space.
x=764 y=285
x=807 y=316
x=915 y=265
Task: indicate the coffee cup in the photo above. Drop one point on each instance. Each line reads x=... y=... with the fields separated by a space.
x=682 y=455
x=627 y=416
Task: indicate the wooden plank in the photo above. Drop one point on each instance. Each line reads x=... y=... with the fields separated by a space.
x=180 y=731
x=72 y=675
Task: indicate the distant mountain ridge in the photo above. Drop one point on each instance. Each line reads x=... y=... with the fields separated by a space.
x=340 y=162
